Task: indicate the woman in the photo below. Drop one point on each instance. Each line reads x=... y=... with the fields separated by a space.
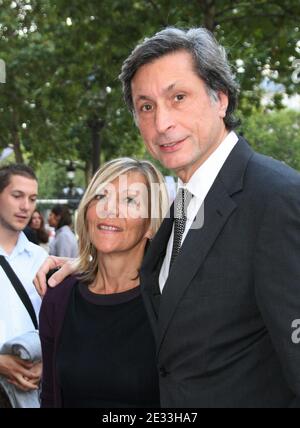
x=98 y=347
x=65 y=243
x=37 y=224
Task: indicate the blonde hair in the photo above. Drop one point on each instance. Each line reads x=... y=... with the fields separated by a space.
x=87 y=262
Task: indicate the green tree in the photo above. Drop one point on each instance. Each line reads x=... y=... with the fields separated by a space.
x=27 y=121
x=62 y=98
x=275 y=134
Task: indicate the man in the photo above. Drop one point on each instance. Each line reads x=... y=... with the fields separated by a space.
x=222 y=297
x=18 y=193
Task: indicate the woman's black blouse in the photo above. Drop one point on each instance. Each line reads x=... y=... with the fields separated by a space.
x=106 y=352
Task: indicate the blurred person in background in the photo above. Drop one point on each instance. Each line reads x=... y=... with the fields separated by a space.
x=37 y=228
x=98 y=345
x=65 y=243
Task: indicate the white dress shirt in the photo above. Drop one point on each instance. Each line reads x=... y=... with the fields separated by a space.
x=199 y=186
x=25 y=260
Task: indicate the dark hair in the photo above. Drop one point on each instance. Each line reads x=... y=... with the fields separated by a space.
x=210 y=63
x=6 y=172
x=64 y=213
x=41 y=233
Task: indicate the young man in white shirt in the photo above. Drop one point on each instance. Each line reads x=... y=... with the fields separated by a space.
x=18 y=194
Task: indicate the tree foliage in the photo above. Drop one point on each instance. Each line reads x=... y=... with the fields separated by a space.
x=63 y=100
x=275 y=134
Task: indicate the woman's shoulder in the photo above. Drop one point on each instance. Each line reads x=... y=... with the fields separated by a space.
x=61 y=290
x=54 y=306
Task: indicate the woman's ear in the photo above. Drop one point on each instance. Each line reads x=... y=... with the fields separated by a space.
x=149 y=234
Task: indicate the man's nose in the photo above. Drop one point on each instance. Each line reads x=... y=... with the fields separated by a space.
x=164 y=119
x=25 y=205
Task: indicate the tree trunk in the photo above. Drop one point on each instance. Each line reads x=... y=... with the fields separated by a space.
x=16 y=139
x=209 y=13
x=96 y=125
x=88 y=172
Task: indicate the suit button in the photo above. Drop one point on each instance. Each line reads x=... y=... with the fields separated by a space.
x=163 y=372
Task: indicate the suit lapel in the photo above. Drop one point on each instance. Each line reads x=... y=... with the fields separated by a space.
x=151 y=268
x=218 y=207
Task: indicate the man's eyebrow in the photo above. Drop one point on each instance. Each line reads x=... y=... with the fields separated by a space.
x=170 y=87
x=165 y=90
x=143 y=98
x=20 y=192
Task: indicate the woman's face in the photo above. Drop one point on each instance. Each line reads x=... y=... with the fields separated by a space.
x=53 y=220
x=118 y=217
x=36 y=221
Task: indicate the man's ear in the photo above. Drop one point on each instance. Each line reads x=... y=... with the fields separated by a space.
x=223 y=100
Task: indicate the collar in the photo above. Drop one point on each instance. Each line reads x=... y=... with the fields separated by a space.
x=23 y=245
x=206 y=173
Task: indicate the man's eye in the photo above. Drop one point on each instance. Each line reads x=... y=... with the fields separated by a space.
x=146 y=107
x=179 y=97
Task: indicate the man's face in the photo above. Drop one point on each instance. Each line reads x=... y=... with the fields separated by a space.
x=181 y=124
x=17 y=203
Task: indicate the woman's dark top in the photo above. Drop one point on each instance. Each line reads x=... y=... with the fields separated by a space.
x=105 y=354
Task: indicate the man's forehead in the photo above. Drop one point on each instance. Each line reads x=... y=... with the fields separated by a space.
x=18 y=182
x=167 y=72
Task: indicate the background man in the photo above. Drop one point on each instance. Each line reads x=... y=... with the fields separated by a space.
x=18 y=193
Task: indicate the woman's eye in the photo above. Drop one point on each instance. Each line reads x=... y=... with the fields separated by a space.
x=130 y=200
x=99 y=197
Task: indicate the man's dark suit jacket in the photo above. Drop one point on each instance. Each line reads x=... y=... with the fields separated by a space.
x=223 y=323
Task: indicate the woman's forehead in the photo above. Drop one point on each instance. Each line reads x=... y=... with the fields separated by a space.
x=127 y=181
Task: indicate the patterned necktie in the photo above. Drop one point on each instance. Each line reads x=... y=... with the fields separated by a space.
x=181 y=204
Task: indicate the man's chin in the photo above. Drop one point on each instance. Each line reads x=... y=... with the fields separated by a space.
x=18 y=227
x=174 y=164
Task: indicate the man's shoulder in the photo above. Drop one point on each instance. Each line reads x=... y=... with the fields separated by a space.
x=36 y=252
x=272 y=175
x=36 y=249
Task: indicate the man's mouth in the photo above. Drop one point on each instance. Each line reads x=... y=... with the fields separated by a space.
x=170 y=146
x=22 y=217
